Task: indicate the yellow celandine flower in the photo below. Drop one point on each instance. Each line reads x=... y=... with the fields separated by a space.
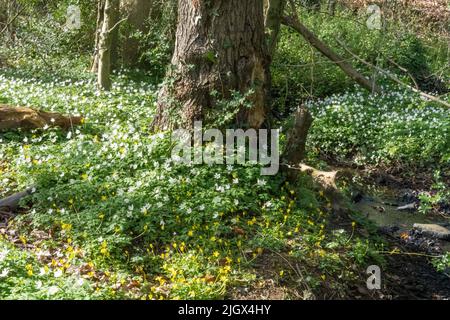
x=23 y=239
x=29 y=269
x=104 y=198
x=281 y=273
x=104 y=249
x=66 y=226
x=161 y=280
x=216 y=254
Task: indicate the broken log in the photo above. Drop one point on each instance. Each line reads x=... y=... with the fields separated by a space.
x=27 y=118
x=294 y=154
x=11 y=203
x=347 y=68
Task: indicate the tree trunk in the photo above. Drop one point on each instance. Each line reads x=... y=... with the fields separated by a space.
x=220 y=47
x=98 y=30
x=115 y=34
x=274 y=13
x=332 y=7
x=138 y=12
x=104 y=52
x=295 y=148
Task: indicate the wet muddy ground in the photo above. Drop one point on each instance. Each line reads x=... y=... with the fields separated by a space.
x=408 y=273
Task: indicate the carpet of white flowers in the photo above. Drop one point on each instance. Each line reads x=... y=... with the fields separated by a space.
x=113 y=217
x=397 y=127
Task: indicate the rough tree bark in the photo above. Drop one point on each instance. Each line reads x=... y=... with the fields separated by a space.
x=274 y=11
x=220 y=45
x=138 y=12
x=105 y=41
x=294 y=151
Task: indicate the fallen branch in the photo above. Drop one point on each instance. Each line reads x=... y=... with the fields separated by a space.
x=325 y=180
x=294 y=23
x=11 y=203
x=392 y=77
x=26 y=118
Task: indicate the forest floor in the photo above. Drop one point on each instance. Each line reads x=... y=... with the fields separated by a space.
x=114 y=218
x=408 y=272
